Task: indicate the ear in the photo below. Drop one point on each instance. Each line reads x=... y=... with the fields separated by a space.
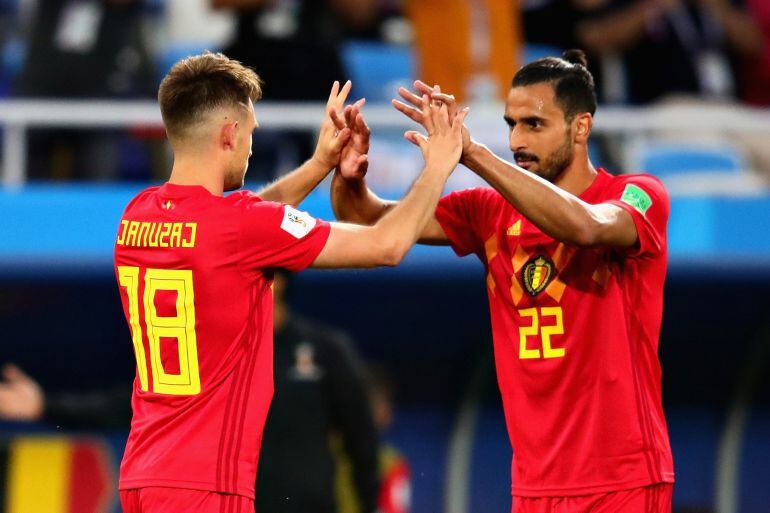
x=227 y=135
x=581 y=127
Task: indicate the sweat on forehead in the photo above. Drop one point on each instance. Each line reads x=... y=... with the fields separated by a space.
x=572 y=84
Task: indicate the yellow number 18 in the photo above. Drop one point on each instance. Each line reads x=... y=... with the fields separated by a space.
x=180 y=327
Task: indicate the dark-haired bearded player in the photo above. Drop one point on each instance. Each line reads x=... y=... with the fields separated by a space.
x=575 y=261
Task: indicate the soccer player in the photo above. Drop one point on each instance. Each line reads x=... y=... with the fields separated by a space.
x=194 y=273
x=575 y=261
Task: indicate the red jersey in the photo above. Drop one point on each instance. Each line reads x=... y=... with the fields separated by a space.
x=194 y=276
x=575 y=338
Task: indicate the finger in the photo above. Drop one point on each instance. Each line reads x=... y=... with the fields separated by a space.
x=409 y=96
x=443 y=114
x=416 y=138
x=344 y=93
x=339 y=123
x=348 y=115
x=13 y=373
x=445 y=98
x=343 y=136
x=427 y=115
x=422 y=87
x=460 y=116
x=333 y=93
x=457 y=124
x=351 y=119
x=436 y=119
x=360 y=103
x=361 y=125
x=411 y=112
x=437 y=88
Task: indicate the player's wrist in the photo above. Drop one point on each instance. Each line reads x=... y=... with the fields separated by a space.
x=354 y=183
x=471 y=152
x=325 y=162
x=440 y=168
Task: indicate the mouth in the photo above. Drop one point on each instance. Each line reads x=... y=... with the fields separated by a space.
x=525 y=164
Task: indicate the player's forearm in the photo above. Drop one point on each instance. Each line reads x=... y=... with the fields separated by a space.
x=400 y=228
x=294 y=187
x=354 y=202
x=559 y=214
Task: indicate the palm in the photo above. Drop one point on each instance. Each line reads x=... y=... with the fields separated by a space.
x=350 y=159
x=353 y=158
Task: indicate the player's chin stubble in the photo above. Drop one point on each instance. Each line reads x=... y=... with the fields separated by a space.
x=556 y=162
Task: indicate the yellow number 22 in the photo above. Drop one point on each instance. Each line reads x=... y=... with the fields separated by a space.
x=180 y=327
x=546 y=332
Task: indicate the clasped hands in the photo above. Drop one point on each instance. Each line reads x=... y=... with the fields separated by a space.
x=344 y=136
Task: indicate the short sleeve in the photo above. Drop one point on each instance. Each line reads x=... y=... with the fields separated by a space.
x=274 y=235
x=465 y=217
x=646 y=199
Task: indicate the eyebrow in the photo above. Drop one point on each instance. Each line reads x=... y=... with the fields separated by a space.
x=528 y=119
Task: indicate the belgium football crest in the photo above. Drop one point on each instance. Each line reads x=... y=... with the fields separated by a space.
x=536 y=274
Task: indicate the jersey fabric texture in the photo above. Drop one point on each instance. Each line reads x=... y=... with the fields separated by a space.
x=648 y=499
x=194 y=273
x=575 y=339
x=179 y=500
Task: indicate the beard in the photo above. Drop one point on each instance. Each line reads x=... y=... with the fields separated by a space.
x=555 y=163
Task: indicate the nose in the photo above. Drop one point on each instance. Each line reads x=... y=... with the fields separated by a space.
x=516 y=141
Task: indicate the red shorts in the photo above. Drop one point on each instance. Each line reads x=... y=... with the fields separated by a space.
x=180 y=500
x=650 y=499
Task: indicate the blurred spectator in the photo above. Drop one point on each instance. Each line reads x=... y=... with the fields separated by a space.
x=320 y=390
x=470 y=47
x=550 y=22
x=754 y=50
x=670 y=46
x=294 y=45
x=86 y=49
x=83 y=49
x=395 y=474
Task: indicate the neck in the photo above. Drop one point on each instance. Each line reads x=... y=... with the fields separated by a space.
x=198 y=170
x=578 y=176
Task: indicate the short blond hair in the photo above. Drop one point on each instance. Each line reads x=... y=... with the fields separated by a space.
x=201 y=83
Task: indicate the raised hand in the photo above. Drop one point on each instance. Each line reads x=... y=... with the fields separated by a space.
x=330 y=139
x=354 y=161
x=21 y=398
x=444 y=144
x=413 y=106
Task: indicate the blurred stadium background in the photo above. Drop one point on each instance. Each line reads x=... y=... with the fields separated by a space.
x=80 y=135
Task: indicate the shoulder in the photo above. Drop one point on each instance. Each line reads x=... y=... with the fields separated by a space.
x=141 y=196
x=242 y=199
x=476 y=197
x=478 y=194
x=253 y=208
x=640 y=190
x=646 y=180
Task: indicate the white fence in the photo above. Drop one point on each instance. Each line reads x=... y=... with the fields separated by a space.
x=17 y=116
